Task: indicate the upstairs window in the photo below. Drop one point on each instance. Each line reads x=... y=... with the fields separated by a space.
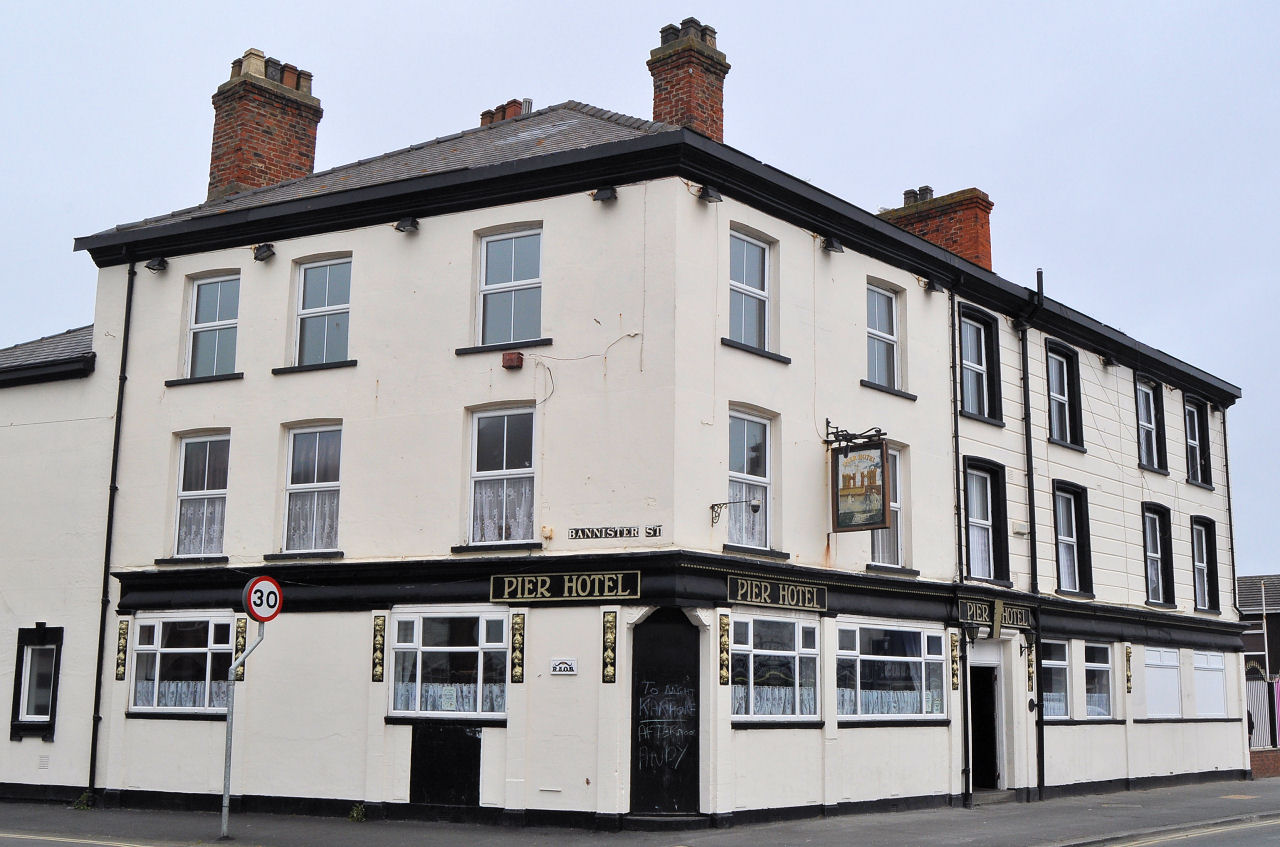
x=985 y=523
x=1071 y=526
x=1196 y=417
x=748 y=291
x=886 y=544
x=882 y=337
x=1157 y=553
x=315 y=457
x=450 y=664
x=202 y=495
x=324 y=302
x=1151 y=449
x=1204 y=562
x=182 y=664
x=979 y=364
x=748 y=481
x=1064 y=395
x=502 y=477
x=511 y=288
x=774 y=667
x=214 y=311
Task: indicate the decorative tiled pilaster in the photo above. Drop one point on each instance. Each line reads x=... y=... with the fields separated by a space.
x=122 y=647
x=379 y=645
x=517 y=648
x=609 y=649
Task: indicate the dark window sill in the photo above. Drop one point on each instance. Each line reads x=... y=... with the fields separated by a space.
x=193 y=560
x=1207 y=486
x=177 y=716
x=762 y=552
x=19 y=730
x=318 y=366
x=1070 y=445
x=1153 y=469
x=774 y=723
x=1186 y=720
x=1084 y=721
x=891 y=570
x=417 y=720
x=1076 y=595
x=486 y=548
x=505 y=345
x=290 y=555
x=1207 y=611
x=974 y=416
x=896 y=392
x=747 y=348
x=1158 y=605
x=196 y=380
x=880 y=722
x=1003 y=583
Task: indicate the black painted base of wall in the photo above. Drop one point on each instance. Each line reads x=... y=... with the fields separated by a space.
x=1106 y=786
x=40 y=793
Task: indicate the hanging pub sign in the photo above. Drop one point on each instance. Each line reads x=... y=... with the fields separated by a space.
x=859 y=486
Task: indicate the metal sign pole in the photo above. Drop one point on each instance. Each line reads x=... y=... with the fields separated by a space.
x=231 y=710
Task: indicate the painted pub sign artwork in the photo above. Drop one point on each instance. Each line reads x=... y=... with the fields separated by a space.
x=859 y=487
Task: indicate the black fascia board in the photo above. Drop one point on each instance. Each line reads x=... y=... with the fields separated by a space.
x=73 y=367
x=682 y=153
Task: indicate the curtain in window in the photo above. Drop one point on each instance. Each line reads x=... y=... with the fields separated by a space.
x=745 y=526
x=313 y=520
x=502 y=509
x=200 y=524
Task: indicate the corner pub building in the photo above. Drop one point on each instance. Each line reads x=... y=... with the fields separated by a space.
x=538 y=426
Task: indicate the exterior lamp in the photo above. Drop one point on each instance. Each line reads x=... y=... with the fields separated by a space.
x=606 y=193
x=157 y=265
x=717 y=508
x=407 y=225
x=707 y=194
x=263 y=252
x=831 y=244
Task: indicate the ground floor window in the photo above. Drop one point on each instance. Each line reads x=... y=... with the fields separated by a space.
x=1097 y=681
x=1211 y=687
x=181 y=663
x=450 y=662
x=775 y=667
x=1164 y=694
x=35 y=681
x=1055 y=674
x=884 y=671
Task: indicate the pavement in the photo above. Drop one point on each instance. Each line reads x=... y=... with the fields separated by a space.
x=1151 y=816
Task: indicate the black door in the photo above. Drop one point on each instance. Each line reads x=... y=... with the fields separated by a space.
x=445 y=765
x=982 y=711
x=664 y=715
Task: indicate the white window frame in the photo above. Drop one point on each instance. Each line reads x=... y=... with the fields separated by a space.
x=1098 y=668
x=1153 y=555
x=1063 y=664
x=1196 y=451
x=291 y=488
x=1209 y=669
x=1200 y=562
x=1060 y=400
x=741 y=509
x=215 y=326
x=1068 y=538
x=28 y=666
x=987 y=524
x=321 y=311
x=980 y=367
x=742 y=289
x=930 y=656
x=484 y=644
x=1148 y=425
x=878 y=536
x=157 y=621
x=200 y=494
x=800 y=655
x=502 y=473
x=1163 y=663
x=888 y=339
x=483 y=290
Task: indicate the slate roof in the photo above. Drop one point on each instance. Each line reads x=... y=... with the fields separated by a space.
x=1249 y=593
x=556 y=129
x=51 y=348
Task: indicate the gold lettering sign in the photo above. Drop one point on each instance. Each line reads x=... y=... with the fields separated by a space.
x=532 y=588
x=772 y=592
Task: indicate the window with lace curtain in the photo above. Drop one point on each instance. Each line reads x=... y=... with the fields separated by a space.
x=887 y=672
x=202 y=495
x=502 y=477
x=181 y=663
x=315 y=456
x=748 y=481
x=886 y=544
x=775 y=667
x=450 y=662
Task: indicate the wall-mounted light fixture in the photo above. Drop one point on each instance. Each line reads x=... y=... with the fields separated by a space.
x=717 y=508
x=608 y=192
x=263 y=252
x=831 y=244
x=707 y=194
x=157 y=265
x=931 y=286
x=407 y=225
x=970 y=631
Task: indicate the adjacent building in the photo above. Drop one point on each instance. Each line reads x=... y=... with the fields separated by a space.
x=550 y=430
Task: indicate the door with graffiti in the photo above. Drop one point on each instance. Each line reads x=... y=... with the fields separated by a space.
x=664 y=715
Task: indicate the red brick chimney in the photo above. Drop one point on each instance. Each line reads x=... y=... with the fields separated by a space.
x=959 y=222
x=688 y=78
x=264 y=126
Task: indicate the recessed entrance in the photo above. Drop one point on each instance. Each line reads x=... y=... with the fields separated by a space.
x=664 y=715
x=985 y=759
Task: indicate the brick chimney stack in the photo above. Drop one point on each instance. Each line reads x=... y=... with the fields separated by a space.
x=688 y=78
x=959 y=222
x=264 y=126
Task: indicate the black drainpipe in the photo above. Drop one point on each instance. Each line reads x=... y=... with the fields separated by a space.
x=966 y=770
x=111 y=514
x=1022 y=324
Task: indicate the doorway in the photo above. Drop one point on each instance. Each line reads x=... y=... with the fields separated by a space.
x=985 y=722
x=664 y=715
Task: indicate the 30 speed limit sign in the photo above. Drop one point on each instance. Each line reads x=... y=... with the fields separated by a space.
x=262 y=598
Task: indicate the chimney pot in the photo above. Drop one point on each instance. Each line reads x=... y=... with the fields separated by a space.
x=926 y=193
x=274 y=69
x=513 y=108
x=688 y=78
x=910 y=197
x=486 y=117
x=289 y=76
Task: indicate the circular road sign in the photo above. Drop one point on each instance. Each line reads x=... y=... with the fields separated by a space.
x=262 y=598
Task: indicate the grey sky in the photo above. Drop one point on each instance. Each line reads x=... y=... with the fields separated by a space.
x=1130 y=149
